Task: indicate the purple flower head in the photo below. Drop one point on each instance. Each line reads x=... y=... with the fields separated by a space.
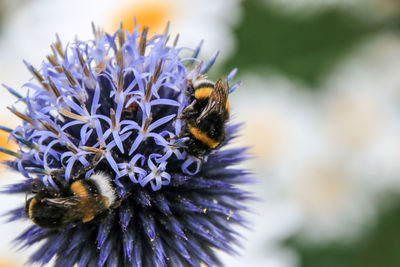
x=112 y=107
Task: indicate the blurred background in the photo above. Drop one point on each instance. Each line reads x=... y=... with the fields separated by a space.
x=320 y=96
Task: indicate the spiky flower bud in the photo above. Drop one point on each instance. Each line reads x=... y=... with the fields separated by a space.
x=110 y=178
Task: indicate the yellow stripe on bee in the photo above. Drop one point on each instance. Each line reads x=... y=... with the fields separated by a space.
x=79 y=190
x=227 y=107
x=87 y=217
x=30 y=210
x=202 y=137
x=203 y=92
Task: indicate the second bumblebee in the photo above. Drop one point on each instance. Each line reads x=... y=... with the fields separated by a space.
x=81 y=201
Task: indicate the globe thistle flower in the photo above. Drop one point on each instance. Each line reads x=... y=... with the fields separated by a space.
x=110 y=107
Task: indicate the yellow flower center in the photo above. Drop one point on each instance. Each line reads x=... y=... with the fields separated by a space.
x=8 y=144
x=154 y=13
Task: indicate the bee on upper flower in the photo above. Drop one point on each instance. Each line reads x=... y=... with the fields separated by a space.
x=206 y=116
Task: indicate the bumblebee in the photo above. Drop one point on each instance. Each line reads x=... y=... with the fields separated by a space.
x=82 y=200
x=206 y=116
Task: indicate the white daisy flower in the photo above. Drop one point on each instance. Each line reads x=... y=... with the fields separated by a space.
x=300 y=162
x=360 y=110
x=332 y=198
x=278 y=116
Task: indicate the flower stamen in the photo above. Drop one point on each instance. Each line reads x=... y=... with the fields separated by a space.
x=21 y=116
x=142 y=42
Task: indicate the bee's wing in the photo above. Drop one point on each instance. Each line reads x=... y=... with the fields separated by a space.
x=79 y=207
x=74 y=201
x=62 y=202
x=221 y=91
x=218 y=98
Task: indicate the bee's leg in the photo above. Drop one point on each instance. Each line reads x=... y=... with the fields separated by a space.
x=202 y=159
x=86 y=169
x=119 y=201
x=189 y=86
x=188 y=111
x=116 y=204
x=61 y=183
x=179 y=138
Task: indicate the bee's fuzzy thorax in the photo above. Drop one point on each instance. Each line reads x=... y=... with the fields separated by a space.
x=203 y=83
x=103 y=183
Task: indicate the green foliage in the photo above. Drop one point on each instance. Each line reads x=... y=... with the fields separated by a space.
x=376 y=248
x=303 y=47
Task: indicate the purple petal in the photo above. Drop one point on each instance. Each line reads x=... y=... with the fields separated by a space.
x=163 y=101
x=104 y=253
x=118 y=141
x=135 y=158
x=120 y=106
x=99 y=132
x=136 y=144
x=112 y=162
x=233 y=87
x=146 y=179
x=160 y=122
x=206 y=67
x=131 y=125
x=128 y=239
x=188 y=163
x=68 y=168
x=95 y=101
x=71 y=123
x=232 y=74
x=133 y=178
x=158 y=139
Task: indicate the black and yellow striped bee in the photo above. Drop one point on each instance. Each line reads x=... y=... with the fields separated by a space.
x=206 y=116
x=81 y=201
